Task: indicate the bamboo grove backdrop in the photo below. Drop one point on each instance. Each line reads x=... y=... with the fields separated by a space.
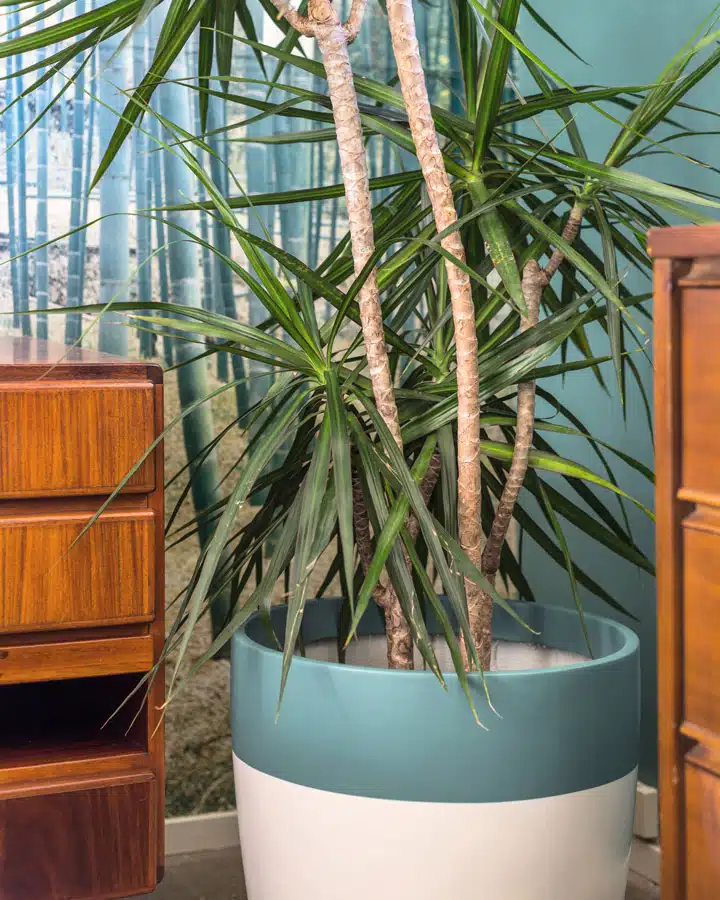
x=54 y=139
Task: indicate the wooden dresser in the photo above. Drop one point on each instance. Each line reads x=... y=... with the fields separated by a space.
x=687 y=417
x=81 y=775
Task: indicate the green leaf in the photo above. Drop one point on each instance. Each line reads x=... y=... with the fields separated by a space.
x=389 y=534
x=429 y=529
x=314 y=490
x=495 y=235
x=255 y=463
x=590 y=526
x=165 y=55
x=248 y=26
x=206 y=48
x=569 y=568
x=472 y=573
x=550 y=462
x=614 y=322
x=303 y=195
x=342 y=475
x=102 y=16
x=448 y=478
x=534 y=531
x=548 y=29
x=225 y=23
x=494 y=79
x=397 y=567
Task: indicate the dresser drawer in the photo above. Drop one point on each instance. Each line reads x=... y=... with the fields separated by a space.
x=702 y=826
x=106 y=578
x=701 y=619
x=700 y=390
x=28 y=662
x=74 y=437
x=75 y=841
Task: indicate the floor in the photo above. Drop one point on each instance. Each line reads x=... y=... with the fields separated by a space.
x=218 y=876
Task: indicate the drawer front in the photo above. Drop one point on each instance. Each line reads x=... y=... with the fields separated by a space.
x=28 y=662
x=104 y=579
x=702 y=833
x=701 y=632
x=700 y=390
x=72 y=438
x=97 y=841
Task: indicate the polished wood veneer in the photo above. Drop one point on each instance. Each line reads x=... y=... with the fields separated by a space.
x=81 y=625
x=687 y=424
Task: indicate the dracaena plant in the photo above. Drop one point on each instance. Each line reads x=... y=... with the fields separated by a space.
x=449 y=296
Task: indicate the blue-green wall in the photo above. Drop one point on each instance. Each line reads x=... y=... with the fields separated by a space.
x=623 y=43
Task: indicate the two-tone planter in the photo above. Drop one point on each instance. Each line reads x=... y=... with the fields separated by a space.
x=378 y=784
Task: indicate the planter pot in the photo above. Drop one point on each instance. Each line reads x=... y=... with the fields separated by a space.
x=379 y=784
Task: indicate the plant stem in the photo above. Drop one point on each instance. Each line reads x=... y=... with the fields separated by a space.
x=323 y=23
x=569 y=233
x=533 y=282
x=332 y=41
x=414 y=89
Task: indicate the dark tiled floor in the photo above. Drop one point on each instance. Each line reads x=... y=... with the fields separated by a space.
x=218 y=876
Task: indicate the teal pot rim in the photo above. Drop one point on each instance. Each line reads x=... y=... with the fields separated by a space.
x=398 y=735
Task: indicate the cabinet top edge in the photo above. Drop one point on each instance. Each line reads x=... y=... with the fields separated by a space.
x=684 y=241
x=25 y=352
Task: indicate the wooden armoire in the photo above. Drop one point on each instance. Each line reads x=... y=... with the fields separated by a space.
x=687 y=425
x=81 y=625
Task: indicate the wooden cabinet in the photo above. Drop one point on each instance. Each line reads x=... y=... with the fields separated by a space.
x=63 y=438
x=85 y=840
x=81 y=625
x=687 y=424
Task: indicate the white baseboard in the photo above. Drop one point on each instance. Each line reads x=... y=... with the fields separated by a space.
x=195 y=834
x=646 y=813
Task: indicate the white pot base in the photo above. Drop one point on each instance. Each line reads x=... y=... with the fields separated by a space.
x=301 y=843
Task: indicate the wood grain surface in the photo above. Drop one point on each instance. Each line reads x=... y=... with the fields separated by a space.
x=687 y=403
x=82 y=841
x=81 y=625
x=43 y=661
x=104 y=578
x=64 y=438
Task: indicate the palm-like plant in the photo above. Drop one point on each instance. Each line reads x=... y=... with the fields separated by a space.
x=387 y=441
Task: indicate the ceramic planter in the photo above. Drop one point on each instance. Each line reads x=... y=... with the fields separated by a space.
x=379 y=784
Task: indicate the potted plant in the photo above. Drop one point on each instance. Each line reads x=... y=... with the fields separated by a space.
x=422 y=735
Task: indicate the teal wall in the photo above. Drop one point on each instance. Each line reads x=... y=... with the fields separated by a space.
x=623 y=43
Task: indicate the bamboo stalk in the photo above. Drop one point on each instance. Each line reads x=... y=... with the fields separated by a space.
x=198 y=428
x=206 y=253
x=156 y=193
x=142 y=201
x=10 y=122
x=222 y=287
x=22 y=233
x=261 y=221
x=87 y=176
x=76 y=273
x=222 y=281
x=114 y=196
x=42 y=294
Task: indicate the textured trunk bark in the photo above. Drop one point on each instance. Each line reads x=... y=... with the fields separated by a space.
x=399 y=637
x=569 y=233
x=533 y=282
x=323 y=23
x=414 y=89
x=332 y=40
